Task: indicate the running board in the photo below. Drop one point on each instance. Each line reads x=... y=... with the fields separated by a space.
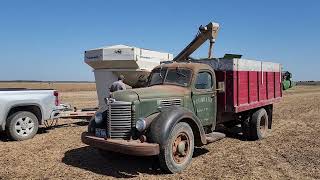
x=214 y=136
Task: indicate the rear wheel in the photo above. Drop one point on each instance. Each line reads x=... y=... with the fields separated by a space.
x=177 y=153
x=22 y=125
x=257 y=127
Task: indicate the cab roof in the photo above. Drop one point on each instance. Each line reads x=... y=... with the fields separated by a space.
x=189 y=65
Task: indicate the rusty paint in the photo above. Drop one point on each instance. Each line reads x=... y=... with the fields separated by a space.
x=122 y=146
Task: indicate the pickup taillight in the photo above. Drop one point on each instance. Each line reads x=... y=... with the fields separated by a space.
x=56 y=95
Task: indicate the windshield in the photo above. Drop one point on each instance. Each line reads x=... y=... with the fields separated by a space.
x=157 y=76
x=178 y=76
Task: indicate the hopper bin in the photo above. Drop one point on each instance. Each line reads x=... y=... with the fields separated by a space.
x=132 y=62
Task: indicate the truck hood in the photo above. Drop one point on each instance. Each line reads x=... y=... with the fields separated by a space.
x=157 y=91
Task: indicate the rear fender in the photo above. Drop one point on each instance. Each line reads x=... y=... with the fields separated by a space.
x=163 y=124
x=22 y=107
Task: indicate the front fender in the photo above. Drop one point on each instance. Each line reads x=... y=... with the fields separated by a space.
x=163 y=124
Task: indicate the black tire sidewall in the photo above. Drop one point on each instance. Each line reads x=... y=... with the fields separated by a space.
x=255 y=124
x=12 y=120
x=166 y=159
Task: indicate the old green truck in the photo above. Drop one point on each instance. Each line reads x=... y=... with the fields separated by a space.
x=183 y=103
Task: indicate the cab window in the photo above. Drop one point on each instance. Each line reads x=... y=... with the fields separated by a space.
x=204 y=81
x=178 y=76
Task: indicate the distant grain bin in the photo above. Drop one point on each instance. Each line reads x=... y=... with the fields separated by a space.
x=132 y=62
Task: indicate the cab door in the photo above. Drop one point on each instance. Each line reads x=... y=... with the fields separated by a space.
x=204 y=97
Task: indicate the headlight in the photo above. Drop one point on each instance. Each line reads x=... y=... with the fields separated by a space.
x=98 y=118
x=141 y=125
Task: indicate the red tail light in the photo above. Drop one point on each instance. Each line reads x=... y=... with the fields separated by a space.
x=56 y=95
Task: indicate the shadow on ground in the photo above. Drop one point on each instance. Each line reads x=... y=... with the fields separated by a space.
x=234 y=132
x=43 y=130
x=3 y=137
x=116 y=165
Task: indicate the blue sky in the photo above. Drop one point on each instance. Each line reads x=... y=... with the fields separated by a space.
x=45 y=40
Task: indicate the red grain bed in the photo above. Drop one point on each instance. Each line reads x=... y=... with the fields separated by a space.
x=248 y=84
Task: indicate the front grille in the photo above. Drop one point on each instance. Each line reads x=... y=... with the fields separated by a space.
x=170 y=102
x=119 y=120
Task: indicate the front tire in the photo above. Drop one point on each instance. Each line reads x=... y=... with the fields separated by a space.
x=22 y=125
x=177 y=153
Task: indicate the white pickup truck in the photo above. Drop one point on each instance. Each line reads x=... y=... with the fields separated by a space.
x=23 y=110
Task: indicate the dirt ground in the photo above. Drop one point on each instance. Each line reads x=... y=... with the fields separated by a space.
x=292 y=151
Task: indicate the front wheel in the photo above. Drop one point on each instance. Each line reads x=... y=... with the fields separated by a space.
x=177 y=153
x=22 y=125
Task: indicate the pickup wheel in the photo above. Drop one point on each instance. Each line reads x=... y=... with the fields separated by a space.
x=257 y=128
x=177 y=153
x=22 y=125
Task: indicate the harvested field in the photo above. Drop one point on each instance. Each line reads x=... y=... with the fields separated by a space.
x=66 y=87
x=292 y=151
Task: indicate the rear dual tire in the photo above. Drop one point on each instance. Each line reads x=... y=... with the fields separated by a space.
x=256 y=127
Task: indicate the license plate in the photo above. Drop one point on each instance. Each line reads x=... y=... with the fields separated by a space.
x=101 y=132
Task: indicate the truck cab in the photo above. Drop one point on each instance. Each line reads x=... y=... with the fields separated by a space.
x=194 y=85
